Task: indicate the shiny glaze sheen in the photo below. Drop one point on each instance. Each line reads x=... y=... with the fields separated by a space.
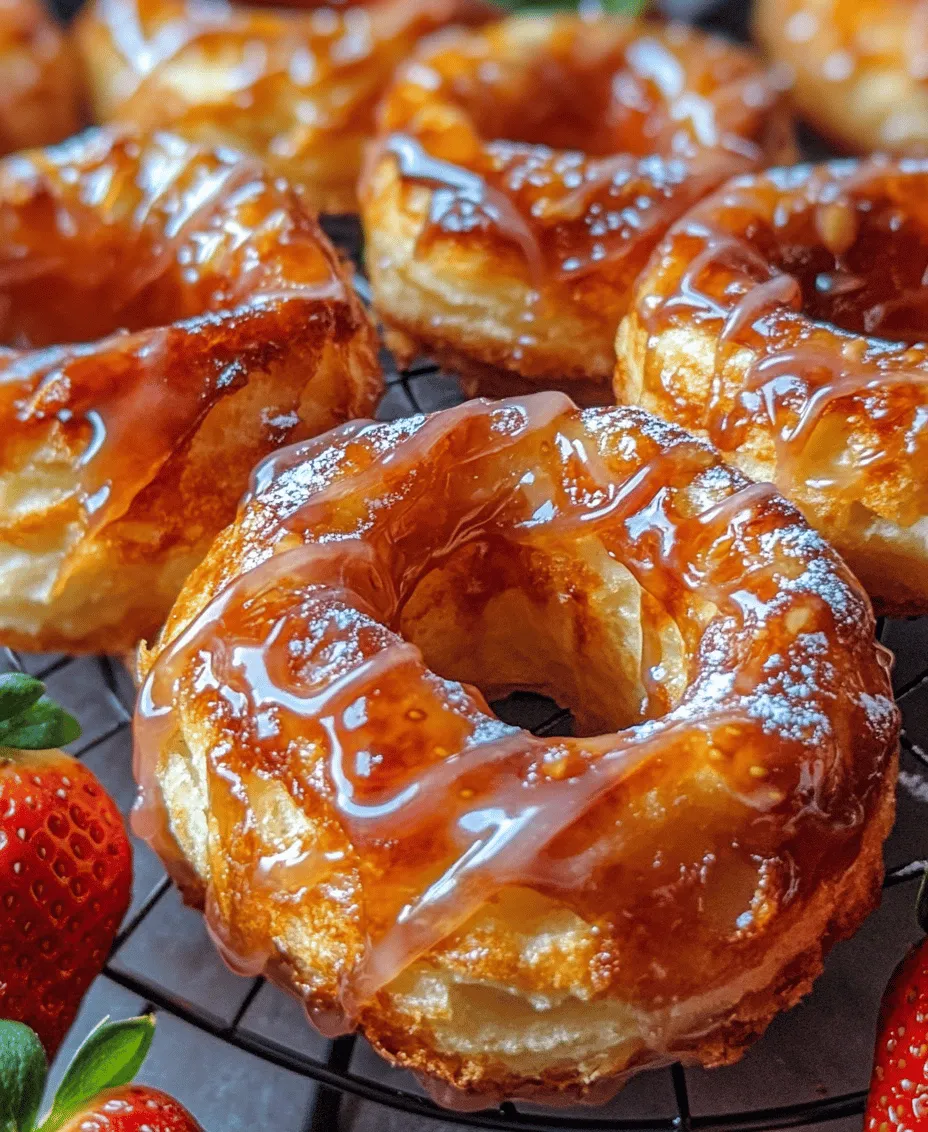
x=819 y=273
x=175 y=275
x=555 y=152
x=126 y=234
x=589 y=176
x=295 y=85
x=721 y=802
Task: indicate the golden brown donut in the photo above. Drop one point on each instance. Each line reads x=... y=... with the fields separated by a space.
x=524 y=173
x=209 y=321
x=785 y=318
x=507 y=915
x=40 y=100
x=296 y=87
x=858 y=69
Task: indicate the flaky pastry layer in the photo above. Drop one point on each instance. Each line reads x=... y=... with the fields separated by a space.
x=523 y=174
x=783 y=318
x=209 y=322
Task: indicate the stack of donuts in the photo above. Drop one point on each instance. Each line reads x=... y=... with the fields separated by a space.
x=708 y=463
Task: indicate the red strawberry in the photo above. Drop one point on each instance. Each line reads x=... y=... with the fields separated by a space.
x=133 y=1108
x=95 y=1094
x=898 y=1100
x=65 y=866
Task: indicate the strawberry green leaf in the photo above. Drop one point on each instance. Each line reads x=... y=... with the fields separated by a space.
x=42 y=725
x=111 y=1056
x=18 y=692
x=22 y=1077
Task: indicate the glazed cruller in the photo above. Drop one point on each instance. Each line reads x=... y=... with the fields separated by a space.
x=504 y=914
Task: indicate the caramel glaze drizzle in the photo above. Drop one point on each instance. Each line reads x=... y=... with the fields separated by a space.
x=212 y=232
x=622 y=205
x=686 y=118
x=795 y=377
x=442 y=804
x=463 y=198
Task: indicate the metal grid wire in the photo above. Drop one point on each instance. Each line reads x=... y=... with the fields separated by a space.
x=100 y=692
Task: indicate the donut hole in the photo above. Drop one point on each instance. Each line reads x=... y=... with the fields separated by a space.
x=595 y=88
x=488 y=615
x=547 y=103
x=862 y=267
